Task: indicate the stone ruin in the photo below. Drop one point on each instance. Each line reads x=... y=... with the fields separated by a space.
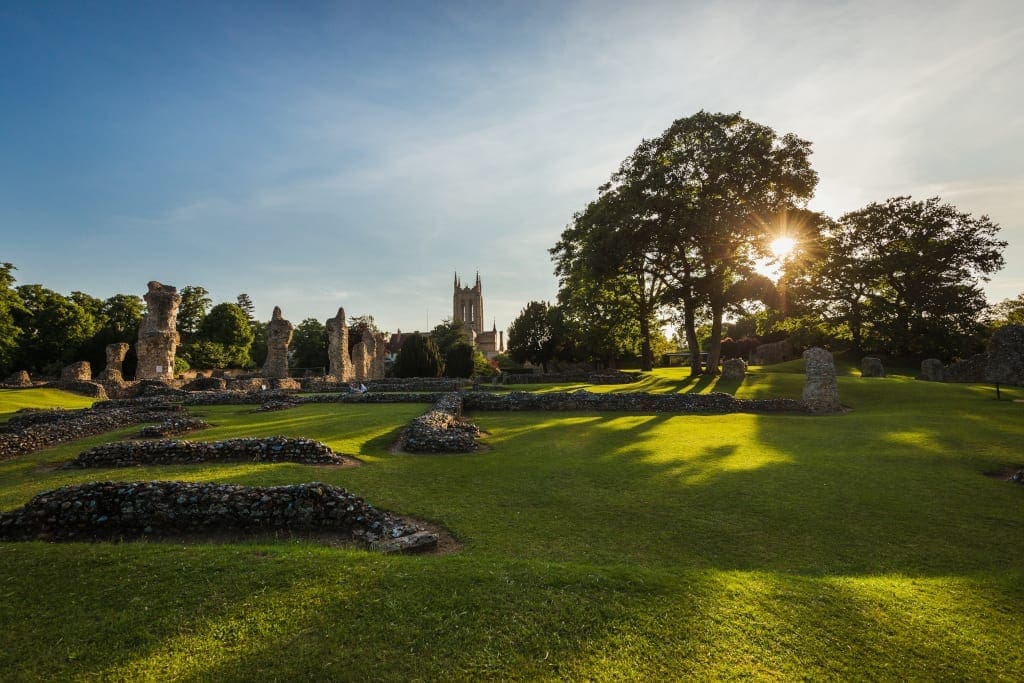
x=1006 y=356
x=734 y=368
x=931 y=370
x=21 y=378
x=366 y=361
x=871 y=366
x=770 y=354
x=158 y=335
x=821 y=393
x=115 y=358
x=279 y=335
x=77 y=372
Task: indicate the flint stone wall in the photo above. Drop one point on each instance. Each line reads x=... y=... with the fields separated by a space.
x=441 y=429
x=113 y=372
x=158 y=336
x=429 y=384
x=172 y=426
x=821 y=392
x=92 y=389
x=178 y=452
x=206 y=384
x=279 y=335
x=106 y=510
x=1006 y=356
x=77 y=372
x=971 y=370
x=932 y=370
x=734 y=368
x=770 y=354
x=337 y=348
x=30 y=431
x=715 y=402
x=871 y=366
x=19 y=379
x=603 y=377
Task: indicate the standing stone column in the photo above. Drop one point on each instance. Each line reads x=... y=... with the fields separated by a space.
x=734 y=368
x=158 y=336
x=279 y=335
x=361 y=359
x=77 y=372
x=115 y=359
x=871 y=366
x=821 y=393
x=337 y=348
x=931 y=370
x=377 y=364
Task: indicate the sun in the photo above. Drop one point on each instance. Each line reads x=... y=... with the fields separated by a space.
x=782 y=246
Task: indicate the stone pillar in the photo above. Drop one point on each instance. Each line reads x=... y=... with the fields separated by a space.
x=931 y=370
x=77 y=372
x=361 y=361
x=279 y=335
x=377 y=364
x=870 y=366
x=115 y=358
x=734 y=368
x=821 y=393
x=337 y=348
x=158 y=336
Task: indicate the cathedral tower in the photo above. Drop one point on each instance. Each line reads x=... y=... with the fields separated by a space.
x=468 y=305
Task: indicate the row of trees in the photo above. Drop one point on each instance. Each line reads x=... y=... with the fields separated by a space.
x=683 y=226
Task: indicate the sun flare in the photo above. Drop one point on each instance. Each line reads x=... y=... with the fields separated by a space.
x=782 y=246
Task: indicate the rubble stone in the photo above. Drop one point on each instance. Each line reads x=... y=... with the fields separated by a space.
x=77 y=372
x=279 y=335
x=126 y=510
x=175 y=452
x=931 y=370
x=821 y=392
x=158 y=336
x=337 y=348
x=20 y=378
x=1006 y=356
x=734 y=368
x=871 y=366
x=113 y=372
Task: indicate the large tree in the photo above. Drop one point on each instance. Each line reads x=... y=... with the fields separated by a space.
x=531 y=336
x=227 y=326
x=308 y=347
x=687 y=215
x=904 y=275
x=418 y=357
x=10 y=306
x=195 y=303
x=54 y=327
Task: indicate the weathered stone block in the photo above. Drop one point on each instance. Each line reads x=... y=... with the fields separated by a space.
x=734 y=368
x=1006 y=356
x=115 y=358
x=931 y=370
x=821 y=393
x=20 y=378
x=770 y=354
x=279 y=335
x=337 y=348
x=77 y=372
x=158 y=336
x=871 y=366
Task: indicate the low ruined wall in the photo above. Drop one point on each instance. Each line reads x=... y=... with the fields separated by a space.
x=441 y=429
x=970 y=370
x=604 y=377
x=176 y=452
x=171 y=426
x=628 y=402
x=101 y=510
x=405 y=385
x=33 y=430
x=262 y=397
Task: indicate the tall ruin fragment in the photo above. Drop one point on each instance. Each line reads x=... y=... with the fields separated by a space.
x=158 y=335
x=337 y=348
x=279 y=335
x=114 y=372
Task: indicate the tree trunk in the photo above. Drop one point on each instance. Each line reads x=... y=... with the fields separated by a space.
x=646 y=363
x=690 y=329
x=715 y=343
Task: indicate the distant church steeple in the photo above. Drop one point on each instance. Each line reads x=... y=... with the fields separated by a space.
x=468 y=305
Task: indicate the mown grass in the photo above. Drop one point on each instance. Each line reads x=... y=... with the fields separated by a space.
x=865 y=545
x=13 y=400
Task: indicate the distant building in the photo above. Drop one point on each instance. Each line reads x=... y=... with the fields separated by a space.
x=468 y=308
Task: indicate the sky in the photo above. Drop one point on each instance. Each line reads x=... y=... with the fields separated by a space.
x=318 y=155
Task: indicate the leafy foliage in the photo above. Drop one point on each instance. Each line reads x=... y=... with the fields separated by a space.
x=10 y=306
x=418 y=357
x=227 y=326
x=309 y=345
x=195 y=302
x=459 y=361
x=531 y=336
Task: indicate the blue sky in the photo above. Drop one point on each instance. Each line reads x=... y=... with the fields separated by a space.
x=356 y=154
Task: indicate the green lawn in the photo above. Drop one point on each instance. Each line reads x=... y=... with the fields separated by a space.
x=866 y=545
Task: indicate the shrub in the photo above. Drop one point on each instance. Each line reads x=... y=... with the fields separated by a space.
x=418 y=357
x=459 y=360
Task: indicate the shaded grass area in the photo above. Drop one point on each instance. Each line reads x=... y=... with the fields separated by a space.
x=603 y=546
